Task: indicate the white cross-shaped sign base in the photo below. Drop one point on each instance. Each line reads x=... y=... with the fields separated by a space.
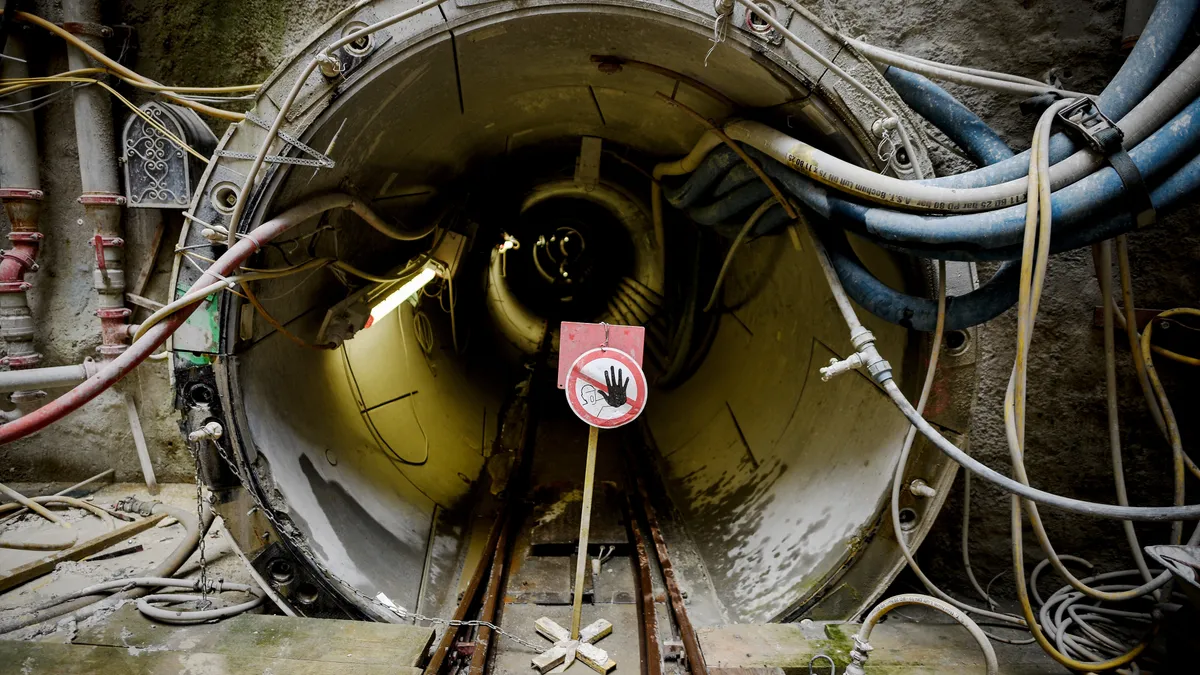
x=565 y=650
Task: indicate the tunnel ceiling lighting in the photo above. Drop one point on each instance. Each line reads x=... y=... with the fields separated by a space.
x=406 y=291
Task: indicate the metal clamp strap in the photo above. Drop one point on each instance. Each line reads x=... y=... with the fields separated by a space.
x=1085 y=120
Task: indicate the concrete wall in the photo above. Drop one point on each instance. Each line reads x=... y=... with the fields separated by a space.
x=211 y=42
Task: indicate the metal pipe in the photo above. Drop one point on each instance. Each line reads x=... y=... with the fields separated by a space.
x=54 y=377
x=101 y=198
x=20 y=191
x=118 y=368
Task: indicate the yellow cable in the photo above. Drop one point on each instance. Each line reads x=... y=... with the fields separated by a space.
x=1181 y=458
x=1027 y=609
x=141 y=84
x=1179 y=358
x=1034 y=263
x=125 y=73
x=136 y=110
x=149 y=120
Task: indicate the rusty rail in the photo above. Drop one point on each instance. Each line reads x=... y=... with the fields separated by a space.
x=487 y=612
x=691 y=644
x=468 y=598
x=651 y=652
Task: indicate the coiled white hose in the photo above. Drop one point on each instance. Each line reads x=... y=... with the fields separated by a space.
x=862 y=646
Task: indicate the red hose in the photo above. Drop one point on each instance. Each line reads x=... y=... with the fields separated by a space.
x=119 y=367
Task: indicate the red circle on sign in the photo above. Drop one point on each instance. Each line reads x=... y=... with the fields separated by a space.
x=590 y=395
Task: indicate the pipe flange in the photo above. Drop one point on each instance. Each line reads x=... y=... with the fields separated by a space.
x=113 y=312
x=22 y=193
x=15 y=286
x=88 y=28
x=101 y=199
x=111 y=351
x=26 y=237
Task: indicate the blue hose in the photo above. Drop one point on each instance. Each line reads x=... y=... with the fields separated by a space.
x=1164 y=32
x=963 y=127
x=962 y=311
x=972 y=236
x=963 y=237
x=1076 y=209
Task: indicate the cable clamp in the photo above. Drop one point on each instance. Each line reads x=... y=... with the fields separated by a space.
x=858 y=656
x=1086 y=121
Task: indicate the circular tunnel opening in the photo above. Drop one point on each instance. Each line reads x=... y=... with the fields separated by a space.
x=530 y=140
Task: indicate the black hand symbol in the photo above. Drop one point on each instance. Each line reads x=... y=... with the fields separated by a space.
x=613 y=382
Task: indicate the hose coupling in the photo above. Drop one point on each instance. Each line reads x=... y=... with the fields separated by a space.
x=135 y=505
x=837 y=367
x=920 y=488
x=865 y=356
x=858 y=656
x=209 y=432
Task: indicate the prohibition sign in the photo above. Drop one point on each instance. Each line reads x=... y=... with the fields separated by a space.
x=606 y=388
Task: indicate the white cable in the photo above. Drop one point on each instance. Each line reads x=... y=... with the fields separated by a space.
x=847 y=77
x=323 y=55
x=848 y=41
x=1179 y=88
x=862 y=647
x=938 y=72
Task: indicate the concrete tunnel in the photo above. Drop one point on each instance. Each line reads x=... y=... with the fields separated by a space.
x=376 y=466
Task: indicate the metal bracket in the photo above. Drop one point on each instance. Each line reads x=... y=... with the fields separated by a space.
x=113 y=312
x=319 y=160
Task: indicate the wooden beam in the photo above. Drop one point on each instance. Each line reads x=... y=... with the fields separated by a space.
x=143 y=276
x=42 y=566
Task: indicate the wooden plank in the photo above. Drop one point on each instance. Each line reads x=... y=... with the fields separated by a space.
x=585 y=518
x=160 y=229
x=916 y=648
x=70 y=659
x=37 y=568
x=269 y=636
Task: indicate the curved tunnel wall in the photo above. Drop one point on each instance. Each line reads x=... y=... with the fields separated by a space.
x=778 y=477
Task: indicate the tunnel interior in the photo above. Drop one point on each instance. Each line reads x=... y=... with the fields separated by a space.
x=386 y=457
